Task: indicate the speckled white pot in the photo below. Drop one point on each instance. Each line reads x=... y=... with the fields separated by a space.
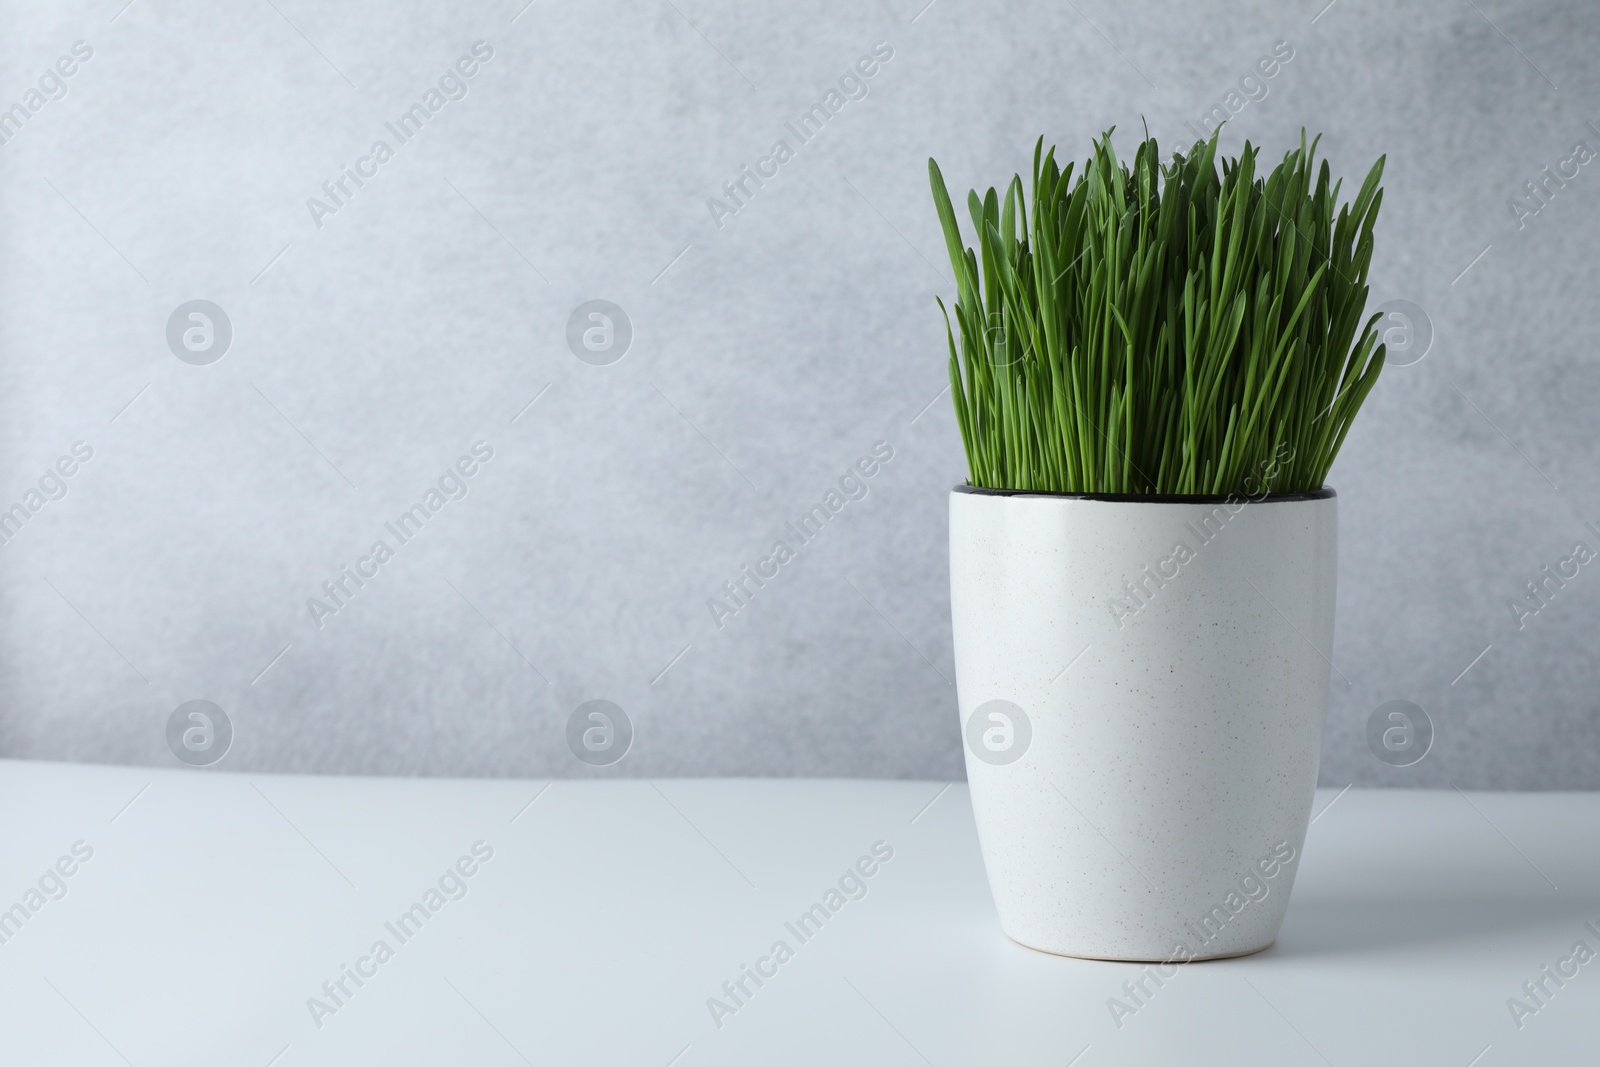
x=1142 y=686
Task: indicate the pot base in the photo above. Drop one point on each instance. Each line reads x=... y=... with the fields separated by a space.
x=1145 y=959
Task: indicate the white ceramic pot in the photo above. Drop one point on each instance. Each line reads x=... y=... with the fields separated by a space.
x=1142 y=684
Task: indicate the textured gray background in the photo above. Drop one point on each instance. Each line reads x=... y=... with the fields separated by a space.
x=768 y=354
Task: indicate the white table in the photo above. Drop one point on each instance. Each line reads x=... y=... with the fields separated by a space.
x=215 y=905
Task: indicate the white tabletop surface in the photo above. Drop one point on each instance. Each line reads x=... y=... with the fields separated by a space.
x=213 y=907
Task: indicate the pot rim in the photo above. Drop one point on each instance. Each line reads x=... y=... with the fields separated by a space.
x=1325 y=493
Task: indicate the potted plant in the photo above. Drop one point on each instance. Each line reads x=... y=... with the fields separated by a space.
x=1157 y=365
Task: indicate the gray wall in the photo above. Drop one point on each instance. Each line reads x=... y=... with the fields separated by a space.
x=770 y=350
